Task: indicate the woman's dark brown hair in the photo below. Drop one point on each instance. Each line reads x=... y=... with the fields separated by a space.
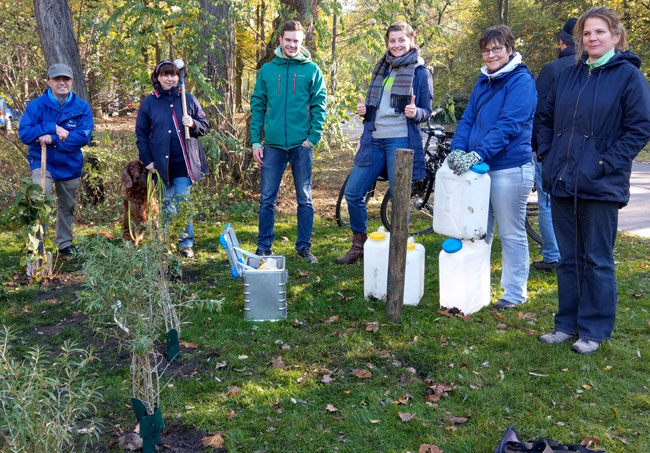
x=164 y=67
x=499 y=34
x=611 y=19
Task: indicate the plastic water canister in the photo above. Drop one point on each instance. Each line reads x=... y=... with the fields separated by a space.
x=464 y=269
x=375 y=264
x=414 y=274
x=461 y=202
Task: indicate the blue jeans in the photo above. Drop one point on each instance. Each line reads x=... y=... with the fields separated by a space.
x=275 y=162
x=550 y=253
x=361 y=178
x=586 y=276
x=175 y=193
x=509 y=189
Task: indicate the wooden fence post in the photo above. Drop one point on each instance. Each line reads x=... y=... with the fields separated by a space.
x=398 y=233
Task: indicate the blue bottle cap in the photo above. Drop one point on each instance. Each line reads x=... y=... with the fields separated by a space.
x=452 y=245
x=222 y=241
x=481 y=168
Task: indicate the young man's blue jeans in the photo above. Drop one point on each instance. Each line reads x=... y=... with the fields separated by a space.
x=175 y=193
x=275 y=162
x=361 y=179
x=586 y=276
x=550 y=252
x=509 y=189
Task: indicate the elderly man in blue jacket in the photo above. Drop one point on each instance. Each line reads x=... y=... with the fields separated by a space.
x=64 y=122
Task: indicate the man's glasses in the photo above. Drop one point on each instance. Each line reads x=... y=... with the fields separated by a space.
x=495 y=50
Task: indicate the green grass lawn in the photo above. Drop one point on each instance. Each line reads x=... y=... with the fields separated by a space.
x=263 y=385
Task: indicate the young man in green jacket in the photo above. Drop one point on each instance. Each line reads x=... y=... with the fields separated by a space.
x=289 y=105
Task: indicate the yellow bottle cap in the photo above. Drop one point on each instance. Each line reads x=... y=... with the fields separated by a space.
x=377 y=236
x=410 y=246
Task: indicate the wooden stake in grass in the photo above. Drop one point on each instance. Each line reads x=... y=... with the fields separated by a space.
x=399 y=233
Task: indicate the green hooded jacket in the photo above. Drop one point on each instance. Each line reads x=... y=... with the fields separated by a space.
x=288 y=102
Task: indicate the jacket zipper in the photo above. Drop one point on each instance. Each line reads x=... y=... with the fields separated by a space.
x=294 y=84
x=573 y=125
x=279 y=80
x=286 y=107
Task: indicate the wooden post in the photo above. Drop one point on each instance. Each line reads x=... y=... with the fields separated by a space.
x=398 y=233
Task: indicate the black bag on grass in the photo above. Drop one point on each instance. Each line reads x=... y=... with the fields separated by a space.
x=512 y=443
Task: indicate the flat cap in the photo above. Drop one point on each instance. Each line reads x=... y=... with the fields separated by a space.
x=58 y=70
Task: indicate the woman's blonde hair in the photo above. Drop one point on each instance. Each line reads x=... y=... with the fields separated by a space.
x=613 y=22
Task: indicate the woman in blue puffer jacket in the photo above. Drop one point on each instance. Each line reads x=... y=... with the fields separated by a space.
x=496 y=128
x=163 y=147
x=596 y=120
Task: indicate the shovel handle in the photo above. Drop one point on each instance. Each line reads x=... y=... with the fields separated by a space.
x=43 y=165
x=184 y=103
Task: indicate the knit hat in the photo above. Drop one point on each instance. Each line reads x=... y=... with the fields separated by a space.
x=566 y=34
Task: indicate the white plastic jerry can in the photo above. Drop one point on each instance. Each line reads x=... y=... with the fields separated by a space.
x=375 y=264
x=464 y=272
x=414 y=274
x=461 y=202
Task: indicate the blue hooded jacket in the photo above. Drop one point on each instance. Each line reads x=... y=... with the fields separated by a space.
x=423 y=91
x=501 y=131
x=42 y=115
x=594 y=124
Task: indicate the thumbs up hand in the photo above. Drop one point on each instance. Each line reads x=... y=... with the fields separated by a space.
x=361 y=106
x=410 y=109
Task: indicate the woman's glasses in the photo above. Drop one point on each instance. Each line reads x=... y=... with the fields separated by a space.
x=495 y=50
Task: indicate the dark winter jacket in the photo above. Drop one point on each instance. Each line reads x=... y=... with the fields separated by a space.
x=423 y=91
x=288 y=102
x=42 y=115
x=500 y=132
x=160 y=121
x=596 y=122
x=566 y=58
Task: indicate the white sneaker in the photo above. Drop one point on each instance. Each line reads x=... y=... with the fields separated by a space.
x=586 y=346
x=556 y=337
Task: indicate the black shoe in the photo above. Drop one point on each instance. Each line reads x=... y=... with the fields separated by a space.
x=545 y=266
x=307 y=255
x=187 y=252
x=504 y=305
x=260 y=252
x=69 y=251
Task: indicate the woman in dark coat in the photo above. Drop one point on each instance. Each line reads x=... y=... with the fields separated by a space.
x=398 y=99
x=162 y=143
x=596 y=120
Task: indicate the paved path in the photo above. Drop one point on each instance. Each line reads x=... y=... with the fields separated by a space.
x=635 y=217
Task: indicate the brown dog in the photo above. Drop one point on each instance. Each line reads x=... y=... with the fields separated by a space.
x=134 y=180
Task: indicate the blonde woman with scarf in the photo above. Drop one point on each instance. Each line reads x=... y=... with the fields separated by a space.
x=398 y=99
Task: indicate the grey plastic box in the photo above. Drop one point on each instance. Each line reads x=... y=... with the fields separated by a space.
x=265 y=297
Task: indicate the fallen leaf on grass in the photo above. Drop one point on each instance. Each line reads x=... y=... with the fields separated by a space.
x=220 y=364
x=25 y=309
x=362 y=374
x=278 y=363
x=327 y=378
x=528 y=315
x=214 y=441
x=435 y=391
x=637 y=295
x=372 y=326
x=455 y=420
x=242 y=357
x=405 y=379
x=404 y=400
x=648 y=321
x=331 y=319
x=303 y=274
x=613 y=411
x=233 y=390
x=285 y=347
x=406 y=417
x=445 y=313
x=230 y=415
x=429 y=448
x=188 y=345
x=538 y=374
x=586 y=387
x=589 y=442
x=330 y=408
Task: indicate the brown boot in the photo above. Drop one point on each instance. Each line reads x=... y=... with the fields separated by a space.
x=356 y=251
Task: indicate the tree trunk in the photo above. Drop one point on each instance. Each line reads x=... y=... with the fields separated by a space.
x=334 y=31
x=218 y=58
x=57 y=40
x=502 y=11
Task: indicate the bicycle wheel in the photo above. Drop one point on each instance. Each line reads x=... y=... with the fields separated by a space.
x=341 y=213
x=420 y=208
x=532 y=225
